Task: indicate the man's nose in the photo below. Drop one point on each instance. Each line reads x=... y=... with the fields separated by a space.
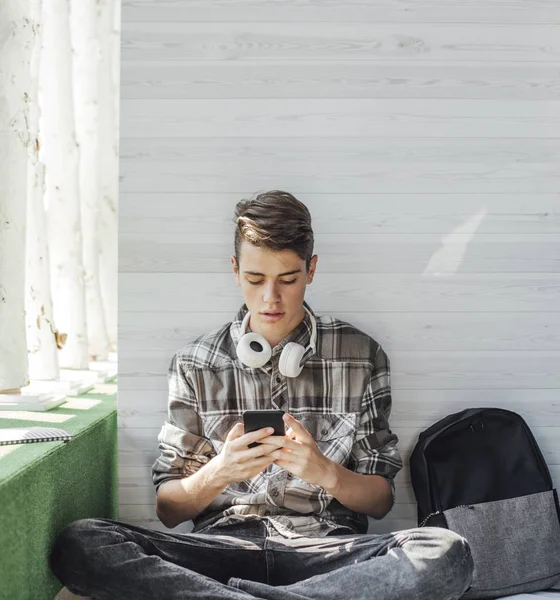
x=271 y=293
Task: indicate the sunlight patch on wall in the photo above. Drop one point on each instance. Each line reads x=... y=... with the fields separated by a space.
x=447 y=259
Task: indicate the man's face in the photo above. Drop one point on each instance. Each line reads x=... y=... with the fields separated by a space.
x=273 y=282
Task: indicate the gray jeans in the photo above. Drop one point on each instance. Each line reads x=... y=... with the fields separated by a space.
x=112 y=560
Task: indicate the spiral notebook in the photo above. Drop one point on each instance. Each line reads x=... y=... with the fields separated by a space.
x=23 y=435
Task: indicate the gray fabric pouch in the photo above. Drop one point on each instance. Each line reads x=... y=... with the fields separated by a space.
x=515 y=543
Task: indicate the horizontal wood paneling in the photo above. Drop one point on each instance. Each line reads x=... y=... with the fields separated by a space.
x=325 y=117
x=331 y=41
x=376 y=11
x=340 y=79
x=340 y=165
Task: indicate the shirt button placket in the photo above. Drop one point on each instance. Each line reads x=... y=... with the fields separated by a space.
x=277 y=389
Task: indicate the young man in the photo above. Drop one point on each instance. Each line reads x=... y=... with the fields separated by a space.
x=284 y=519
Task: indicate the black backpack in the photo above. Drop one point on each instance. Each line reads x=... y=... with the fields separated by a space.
x=480 y=473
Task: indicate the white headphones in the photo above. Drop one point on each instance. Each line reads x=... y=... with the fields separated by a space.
x=254 y=350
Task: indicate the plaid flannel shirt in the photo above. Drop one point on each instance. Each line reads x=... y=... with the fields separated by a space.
x=342 y=397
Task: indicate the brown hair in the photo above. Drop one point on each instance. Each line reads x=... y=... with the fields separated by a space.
x=275 y=220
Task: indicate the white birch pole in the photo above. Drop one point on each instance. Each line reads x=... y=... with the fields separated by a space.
x=85 y=46
x=109 y=95
x=59 y=152
x=17 y=44
x=41 y=332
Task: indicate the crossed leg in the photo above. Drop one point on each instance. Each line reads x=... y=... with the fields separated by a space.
x=104 y=559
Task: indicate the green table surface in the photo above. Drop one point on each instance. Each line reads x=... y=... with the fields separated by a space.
x=44 y=486
x=75 y=415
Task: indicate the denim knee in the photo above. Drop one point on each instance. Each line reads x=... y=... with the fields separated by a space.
x=456 y=558
x=70 y=546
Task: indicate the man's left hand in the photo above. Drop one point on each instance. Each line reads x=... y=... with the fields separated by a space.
x=299 y=454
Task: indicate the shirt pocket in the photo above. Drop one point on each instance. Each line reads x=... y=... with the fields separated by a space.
x=334 y=433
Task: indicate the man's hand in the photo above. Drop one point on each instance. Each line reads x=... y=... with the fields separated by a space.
x=299 y=454
x=237 y=462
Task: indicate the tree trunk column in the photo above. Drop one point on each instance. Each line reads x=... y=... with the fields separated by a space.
x=41 y=330
x=59 y=152
x=109 y=94
x=16 y=49
x=85 y=46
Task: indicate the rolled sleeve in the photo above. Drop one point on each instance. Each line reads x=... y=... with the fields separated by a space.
x=183 y=447
x=375 y=447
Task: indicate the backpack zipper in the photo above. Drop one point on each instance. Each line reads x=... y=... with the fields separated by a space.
x=429 y=517
x=440 y=512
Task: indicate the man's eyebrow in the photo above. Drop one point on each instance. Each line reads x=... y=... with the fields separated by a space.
x=280 y=275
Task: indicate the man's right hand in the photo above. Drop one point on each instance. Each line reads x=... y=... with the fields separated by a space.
x=237 y=462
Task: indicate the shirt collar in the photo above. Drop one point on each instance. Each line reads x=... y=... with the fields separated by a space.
x=300 y=335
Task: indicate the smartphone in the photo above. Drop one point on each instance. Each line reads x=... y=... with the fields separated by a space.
x=259 y=419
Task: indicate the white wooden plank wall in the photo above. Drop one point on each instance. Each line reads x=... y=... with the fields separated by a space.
x=423 y=136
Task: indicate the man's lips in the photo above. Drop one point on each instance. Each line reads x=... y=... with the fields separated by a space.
x=272 y=313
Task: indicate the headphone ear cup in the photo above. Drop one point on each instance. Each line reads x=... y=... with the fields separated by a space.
x=253 y=350
x=290 y=358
